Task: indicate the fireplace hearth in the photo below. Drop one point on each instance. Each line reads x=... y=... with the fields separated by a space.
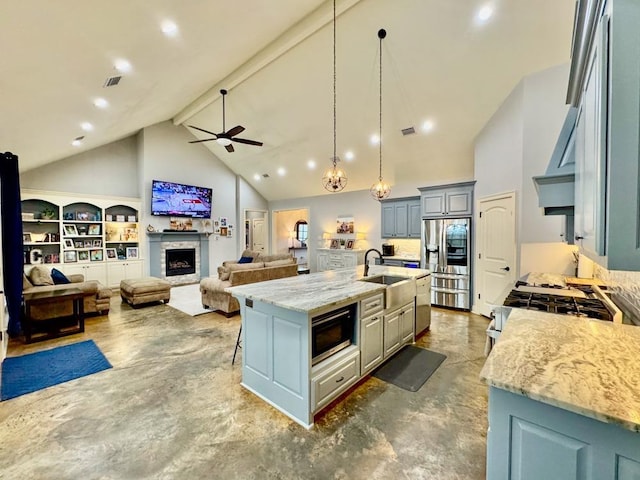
x=180 y=261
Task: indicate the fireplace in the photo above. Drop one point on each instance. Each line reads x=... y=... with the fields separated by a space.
x=180 y=261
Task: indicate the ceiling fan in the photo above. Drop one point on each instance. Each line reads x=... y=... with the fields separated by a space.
x=225 y=138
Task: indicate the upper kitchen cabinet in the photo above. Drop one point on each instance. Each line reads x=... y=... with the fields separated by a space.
x=453 y=200
x=604 y=85
x=401 y=218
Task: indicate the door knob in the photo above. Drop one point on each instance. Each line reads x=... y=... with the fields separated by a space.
x=578 y=237
x=506 y=269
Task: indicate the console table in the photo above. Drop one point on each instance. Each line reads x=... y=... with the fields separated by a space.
x=55 y=327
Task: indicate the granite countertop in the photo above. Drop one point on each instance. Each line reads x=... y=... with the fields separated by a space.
x=583 y=366
x=308 y=293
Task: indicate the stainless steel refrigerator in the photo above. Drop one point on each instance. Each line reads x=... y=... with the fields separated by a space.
x=446 y=251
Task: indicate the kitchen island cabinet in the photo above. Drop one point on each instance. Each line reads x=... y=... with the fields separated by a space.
x=563 y=399
x=277 y=315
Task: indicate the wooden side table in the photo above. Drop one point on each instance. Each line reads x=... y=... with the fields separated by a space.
x=55 y=327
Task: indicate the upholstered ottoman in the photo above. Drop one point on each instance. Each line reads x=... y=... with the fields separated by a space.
x=136 y=291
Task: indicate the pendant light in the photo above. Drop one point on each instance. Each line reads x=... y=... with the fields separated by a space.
x=380 y=190
x=334 y=179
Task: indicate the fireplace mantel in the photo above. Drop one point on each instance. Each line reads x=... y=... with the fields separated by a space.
x=158 y=241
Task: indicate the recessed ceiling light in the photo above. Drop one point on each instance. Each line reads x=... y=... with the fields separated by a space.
x=349 y=155
x=257 y=177
x=375 y=139
x=428 y=126
x=282 y=172
x=86 y=126
x=311 y=164
x=169 y=28
x=101 y=103
x=484 y=13
x=122 y=65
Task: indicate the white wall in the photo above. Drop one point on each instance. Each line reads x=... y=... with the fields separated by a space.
x=515 y=145
x=108 y=170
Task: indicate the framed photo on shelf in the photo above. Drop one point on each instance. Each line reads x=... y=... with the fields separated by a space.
x=69 y=216
x=68 y=243
x=96 y=255
x=349 y=244
x=132 y=252
x=335 y=243
x=108 y=217
x=119 y=218
x=93 y=230
x=131 y=218
x=83 y=216
x=83 y=255
x=78 y=244
x=87 y=244
x=26 y=237
x=70 y=231
x=70 y=256
x=112 y=254
x=97 y=243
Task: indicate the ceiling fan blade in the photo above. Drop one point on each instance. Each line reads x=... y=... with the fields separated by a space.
x=229 y=148
x=200 y=141
x=203 y=130
x=248 y=142
x=235 y=131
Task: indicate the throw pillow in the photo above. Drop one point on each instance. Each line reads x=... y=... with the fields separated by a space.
x=58 y=277
x=245 y=260
x=26 y=284
x=40 y=276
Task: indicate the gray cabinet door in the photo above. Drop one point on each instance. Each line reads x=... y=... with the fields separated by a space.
x=401 y=219
x=433 y=204
x=388 y=220
x=458 y=203
x=415 y=219
x=453 y=200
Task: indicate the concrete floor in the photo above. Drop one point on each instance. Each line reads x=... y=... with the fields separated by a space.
x=172 y=408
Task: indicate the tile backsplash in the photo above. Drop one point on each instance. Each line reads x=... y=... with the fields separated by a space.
x=625 y=284
x=406 y=247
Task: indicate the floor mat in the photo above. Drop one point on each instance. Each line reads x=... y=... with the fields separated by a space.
x=410 y=368
x=188 y=299
x=35 y=371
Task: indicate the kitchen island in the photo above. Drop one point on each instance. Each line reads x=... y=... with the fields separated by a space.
x=564 y=399
x=278 y=343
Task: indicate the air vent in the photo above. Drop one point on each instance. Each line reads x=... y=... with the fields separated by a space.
x=112 y=81
x=265 y=175
x=77 y=139
x=408 y=131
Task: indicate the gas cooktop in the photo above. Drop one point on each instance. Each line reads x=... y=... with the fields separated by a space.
x=563 y=304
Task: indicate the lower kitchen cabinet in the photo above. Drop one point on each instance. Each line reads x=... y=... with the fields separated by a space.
x=531 y=439
x=371 y=333
x=117 y=271
x=398 y=328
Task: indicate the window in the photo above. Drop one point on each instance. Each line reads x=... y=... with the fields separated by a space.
x=302 y=232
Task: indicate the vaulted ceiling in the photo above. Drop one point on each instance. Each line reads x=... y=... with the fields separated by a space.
x=440 y=64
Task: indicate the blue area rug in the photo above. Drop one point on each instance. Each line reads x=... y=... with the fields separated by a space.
x=35 y=371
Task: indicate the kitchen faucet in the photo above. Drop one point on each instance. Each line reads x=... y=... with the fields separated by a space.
x=366 y=263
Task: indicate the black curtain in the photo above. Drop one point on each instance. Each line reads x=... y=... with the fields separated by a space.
x=12 y=248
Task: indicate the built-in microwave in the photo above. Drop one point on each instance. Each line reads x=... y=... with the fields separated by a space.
x=331 y=332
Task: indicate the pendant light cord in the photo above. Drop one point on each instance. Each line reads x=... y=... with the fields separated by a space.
x=380 y=132
x=334 y=84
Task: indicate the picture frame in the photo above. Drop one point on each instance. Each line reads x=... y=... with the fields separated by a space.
x=97 y=243
x=83 y=255
x=96 y=255
x=224 y=231
x=26 y=237
x=335 y=243
x=70 y=231
x=68 y=243
x=131 y=218
x=109 y=217
x=112 y=254
x=349 y=244
x=83 y=216
x=94 y=229
x=78 y=244
x=69 y=216
x=119 y=218
x=132 y=252
x=345 y=225
x=70 y=256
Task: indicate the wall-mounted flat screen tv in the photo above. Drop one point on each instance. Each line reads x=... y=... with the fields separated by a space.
x=178 y=200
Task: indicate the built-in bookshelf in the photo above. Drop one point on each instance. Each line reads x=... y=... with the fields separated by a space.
x=95 y=236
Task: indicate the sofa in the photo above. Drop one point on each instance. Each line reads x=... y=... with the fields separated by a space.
x=256 y=267
x=39 y=279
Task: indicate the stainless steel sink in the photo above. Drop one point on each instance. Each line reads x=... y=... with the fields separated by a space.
x=398 y=291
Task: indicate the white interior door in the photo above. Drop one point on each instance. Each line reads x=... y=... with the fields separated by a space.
x=496 y=260
x=259 y=237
